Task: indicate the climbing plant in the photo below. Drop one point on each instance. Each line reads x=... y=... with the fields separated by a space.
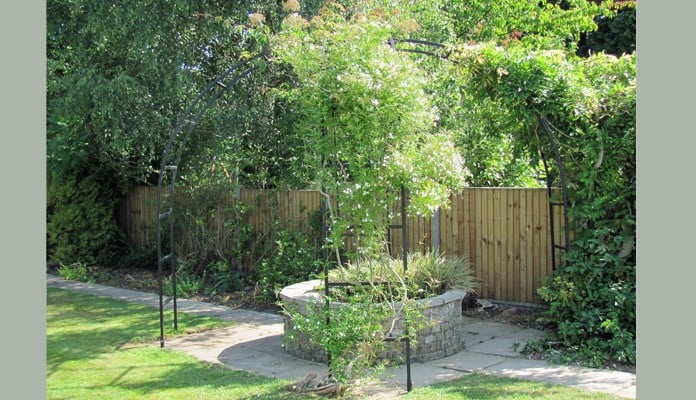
x=370 y=129
x=368 y=124
x=589 y=105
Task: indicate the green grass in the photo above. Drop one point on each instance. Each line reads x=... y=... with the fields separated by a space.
x=487 y=387
x=109 y=349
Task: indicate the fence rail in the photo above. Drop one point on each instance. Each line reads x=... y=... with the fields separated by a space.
x=504 y=232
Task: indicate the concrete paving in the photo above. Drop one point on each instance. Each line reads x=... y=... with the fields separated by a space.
x=254 y=344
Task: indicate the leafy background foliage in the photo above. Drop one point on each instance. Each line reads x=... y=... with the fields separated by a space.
x=79 y=228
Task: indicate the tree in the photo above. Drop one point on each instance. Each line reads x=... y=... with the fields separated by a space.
x=119 y=76
x=615 y=34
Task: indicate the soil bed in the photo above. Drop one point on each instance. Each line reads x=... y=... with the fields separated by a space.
x=145 y=280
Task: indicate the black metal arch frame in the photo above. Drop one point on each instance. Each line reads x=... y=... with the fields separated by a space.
x=548 y=149
x=208 y=97
x=404 y=258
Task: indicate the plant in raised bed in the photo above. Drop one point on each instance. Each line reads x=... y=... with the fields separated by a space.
x=379 y=303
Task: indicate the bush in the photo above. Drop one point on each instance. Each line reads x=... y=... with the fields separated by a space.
x=74 y=272
x=187 y=283
x=210 y=227
x=615 y=35
x=222 y=278
x=139 y=258
x=81 y=226
x=592 y=301
x=353 y=339
x=294 y=259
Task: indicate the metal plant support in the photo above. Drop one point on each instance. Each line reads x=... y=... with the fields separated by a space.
x=169 y=167
x=191 y=116
x=404 y=254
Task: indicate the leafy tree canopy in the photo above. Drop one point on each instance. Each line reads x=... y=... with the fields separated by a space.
x=118 y=77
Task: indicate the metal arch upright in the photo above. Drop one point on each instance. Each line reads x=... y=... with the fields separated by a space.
x=167 y=173
x=553 y=203
x=404 y=258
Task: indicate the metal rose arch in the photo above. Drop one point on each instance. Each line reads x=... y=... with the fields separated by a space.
x=167 y=173
x=548 y=151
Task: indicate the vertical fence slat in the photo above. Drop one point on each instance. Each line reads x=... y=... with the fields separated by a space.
x=525 y=245
x=483 y=279
x=539 y=207
x=446 y=232
x=506 y=248
x=545 y=237
x=488 y=231
x=515 y=244
x=533 y=241
x=497 y=242
x=470 y=198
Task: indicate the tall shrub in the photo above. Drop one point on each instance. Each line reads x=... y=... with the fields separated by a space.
x=81 y=225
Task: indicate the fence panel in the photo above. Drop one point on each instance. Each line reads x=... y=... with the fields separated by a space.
x=136 y=216
x=504 y=232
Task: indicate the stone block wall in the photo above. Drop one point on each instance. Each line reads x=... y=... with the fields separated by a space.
x=443 y=336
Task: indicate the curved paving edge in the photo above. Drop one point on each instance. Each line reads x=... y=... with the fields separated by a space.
x=255 y=345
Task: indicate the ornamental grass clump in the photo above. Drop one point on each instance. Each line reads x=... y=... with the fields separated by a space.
x=427 y=274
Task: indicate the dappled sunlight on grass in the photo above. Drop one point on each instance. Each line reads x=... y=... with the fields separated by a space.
x=95 y=349
x=157 y=373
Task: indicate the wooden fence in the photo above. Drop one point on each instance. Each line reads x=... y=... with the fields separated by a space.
x=504 y=232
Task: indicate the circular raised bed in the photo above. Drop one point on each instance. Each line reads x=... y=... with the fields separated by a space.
x=441 y=338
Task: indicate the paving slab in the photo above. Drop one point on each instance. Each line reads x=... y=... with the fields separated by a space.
x=468 y=361
x=421 y=375
x=497 y=338
x=619 y=383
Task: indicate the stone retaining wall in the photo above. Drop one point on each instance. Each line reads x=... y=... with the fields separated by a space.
x=443 y=336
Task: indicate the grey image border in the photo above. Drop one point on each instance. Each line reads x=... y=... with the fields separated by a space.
x=22 y=158
x=665 y=237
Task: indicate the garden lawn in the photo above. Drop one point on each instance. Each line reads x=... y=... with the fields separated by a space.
x=109 y=349
x=487 y=387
